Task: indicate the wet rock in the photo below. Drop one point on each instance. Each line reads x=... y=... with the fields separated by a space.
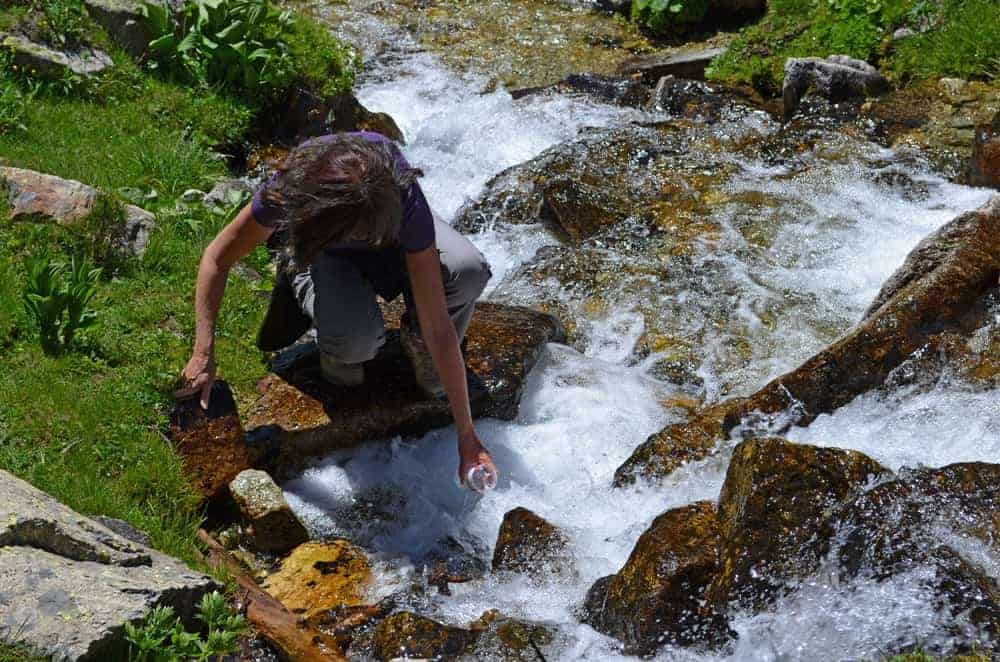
x=408 y=635
x=68 y=584
x=837 y=78
x=124 y=22
x=509 y=640
x=319 y=576
x=299 y=415
x=624 y=91
x=528 y=543
x=273 y=527
x=775 y=515
x=942 y=291
x=932 y=518
x=51 y=64
x=38 y=197
x=652 y=68
x=984 y=169
x=309 y=115
x=658 y=597
x=210 y=442
x=697 y=100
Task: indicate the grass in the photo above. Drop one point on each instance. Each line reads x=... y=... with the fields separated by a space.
x=87 y=426
x=14 y=653
x=960 y=39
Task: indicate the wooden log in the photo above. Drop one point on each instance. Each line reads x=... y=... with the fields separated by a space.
x=296 y=639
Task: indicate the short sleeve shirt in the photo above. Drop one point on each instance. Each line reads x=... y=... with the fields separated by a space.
x=416 y=231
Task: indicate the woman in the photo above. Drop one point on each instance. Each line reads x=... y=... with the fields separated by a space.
x=356 y=225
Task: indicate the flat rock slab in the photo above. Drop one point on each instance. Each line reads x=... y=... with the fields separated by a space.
x=299 y=415
x=690 y=64
x=68 y=584
x=48 y=63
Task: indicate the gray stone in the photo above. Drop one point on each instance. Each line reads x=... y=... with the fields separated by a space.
x=689 y=64
x=837 y=78
x=192 y=194
x=36 y=196
x=123 y=21
x=227 y=192
x=69 y=584
x=273 y=527
x=124 y=529
x=45 y=62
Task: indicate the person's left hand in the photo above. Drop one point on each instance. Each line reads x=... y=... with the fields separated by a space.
x=472 y=453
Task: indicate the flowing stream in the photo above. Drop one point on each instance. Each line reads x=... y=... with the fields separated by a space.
x=584 y=410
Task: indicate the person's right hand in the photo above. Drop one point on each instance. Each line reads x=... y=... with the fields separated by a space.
x=198 y=376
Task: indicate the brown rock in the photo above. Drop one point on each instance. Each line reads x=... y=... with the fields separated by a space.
x=689 y=64
x=508 y=639
x=940 y=292
x=775 y=510
x=916 y=520
x=319 y=576
x=658 y=596
x=408 y=635
x=528 y=543
x=299 y=415
x=984 y=168
x=273 y=527
x=309 y=115
x=38 y=197
x=211 y=443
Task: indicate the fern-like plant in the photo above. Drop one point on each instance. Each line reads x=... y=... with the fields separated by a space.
x=57 y=296
x=162 y=638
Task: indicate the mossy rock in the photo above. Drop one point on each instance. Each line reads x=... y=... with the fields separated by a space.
x=530 y=544
x=658 y=597
x=410 y=635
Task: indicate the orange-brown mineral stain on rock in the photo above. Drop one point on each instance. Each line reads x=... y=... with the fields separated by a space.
x=318 y=576
x=211 y=443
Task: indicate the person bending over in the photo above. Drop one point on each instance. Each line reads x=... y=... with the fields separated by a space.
x=355 y=224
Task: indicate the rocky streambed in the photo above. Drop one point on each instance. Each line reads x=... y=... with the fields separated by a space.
x=772 y=431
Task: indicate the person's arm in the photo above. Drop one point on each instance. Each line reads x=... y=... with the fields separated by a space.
x=439 y=334
x=235 y=241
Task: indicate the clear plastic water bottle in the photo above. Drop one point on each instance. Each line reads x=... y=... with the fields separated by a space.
x=481 y=479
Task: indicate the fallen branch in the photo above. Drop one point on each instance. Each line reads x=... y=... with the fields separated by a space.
x=296 y=639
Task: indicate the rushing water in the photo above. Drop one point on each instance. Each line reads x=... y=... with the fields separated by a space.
x=584 y=412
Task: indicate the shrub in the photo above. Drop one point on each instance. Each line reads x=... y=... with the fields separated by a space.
x=162 y=637
x=57 y=296
x=237 y=45
x=666 y=15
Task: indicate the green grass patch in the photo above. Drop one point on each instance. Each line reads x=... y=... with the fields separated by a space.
x=958 y=39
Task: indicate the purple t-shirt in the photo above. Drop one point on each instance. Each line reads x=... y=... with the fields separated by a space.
x=416 y=231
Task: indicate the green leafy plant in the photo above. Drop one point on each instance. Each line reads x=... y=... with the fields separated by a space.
x=668 y=15
x=238 y=45
x=64 y=22
x=57 y=296
x=162 y=638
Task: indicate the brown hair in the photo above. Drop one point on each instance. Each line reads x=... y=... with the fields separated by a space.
x=328 y=190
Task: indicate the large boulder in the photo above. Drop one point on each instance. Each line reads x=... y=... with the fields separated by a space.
x=984 y=169
x=319 y=576
x=941 y=291
x=210 y=442
x=124 y=22
x=658 y=597
x=300 y=415
x=530 y=544
x=775 y=515
x=38 y=197
x=837 y=78
x=68 y=585
x=51 y=64
x=273 y=527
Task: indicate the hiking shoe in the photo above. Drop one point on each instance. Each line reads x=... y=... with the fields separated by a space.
x=423 y=366
x=339 y=373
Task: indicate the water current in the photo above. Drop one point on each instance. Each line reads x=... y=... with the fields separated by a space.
x=583 y=412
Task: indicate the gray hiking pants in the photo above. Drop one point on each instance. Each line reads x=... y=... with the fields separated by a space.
x=338 y=292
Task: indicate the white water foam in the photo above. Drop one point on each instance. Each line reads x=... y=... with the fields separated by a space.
x=583 y=414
